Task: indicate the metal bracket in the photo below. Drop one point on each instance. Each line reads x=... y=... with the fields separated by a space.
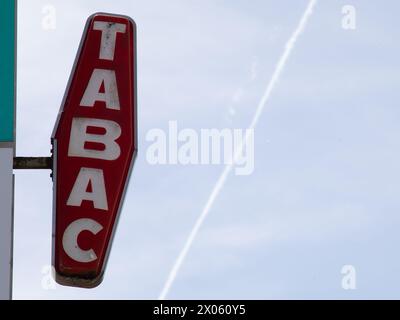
x=33 y=163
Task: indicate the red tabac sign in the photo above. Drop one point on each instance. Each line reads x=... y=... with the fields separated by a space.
x=94 y=147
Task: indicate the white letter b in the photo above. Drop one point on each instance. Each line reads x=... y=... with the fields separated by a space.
x=79 y=136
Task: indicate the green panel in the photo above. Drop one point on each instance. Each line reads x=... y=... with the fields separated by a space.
x=7 y=69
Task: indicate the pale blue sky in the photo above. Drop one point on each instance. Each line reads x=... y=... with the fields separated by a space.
x=324 y=190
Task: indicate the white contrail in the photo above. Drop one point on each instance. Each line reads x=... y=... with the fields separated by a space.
x=221 y=181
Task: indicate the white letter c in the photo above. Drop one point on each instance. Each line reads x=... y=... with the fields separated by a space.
x=70 y=239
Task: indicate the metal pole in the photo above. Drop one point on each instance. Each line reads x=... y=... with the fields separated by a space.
x=6 y=222
x=33 y=163
x=8 y=27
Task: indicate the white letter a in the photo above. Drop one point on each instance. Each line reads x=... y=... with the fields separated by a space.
x=109 y=96
x=98 y=193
